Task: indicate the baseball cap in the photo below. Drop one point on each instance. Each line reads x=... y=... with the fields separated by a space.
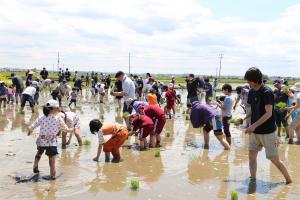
x=52 y=104
x=277 y=81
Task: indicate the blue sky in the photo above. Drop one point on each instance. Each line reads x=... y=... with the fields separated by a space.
x=162 y=36
x=260 y=10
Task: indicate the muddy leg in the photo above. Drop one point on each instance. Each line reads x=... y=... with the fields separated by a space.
x=36 y=161
x=153 y=140
x=206 y=139
x=64 y=139
x=253 y=164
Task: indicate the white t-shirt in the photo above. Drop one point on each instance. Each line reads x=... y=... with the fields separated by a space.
x=228 y=104
x=100 y=137
x=128 y=87
x=297 y=98
x=30 y=91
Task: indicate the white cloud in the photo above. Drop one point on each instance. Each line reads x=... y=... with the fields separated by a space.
x=163 y=36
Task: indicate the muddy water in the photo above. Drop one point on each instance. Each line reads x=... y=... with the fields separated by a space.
x=184 y=170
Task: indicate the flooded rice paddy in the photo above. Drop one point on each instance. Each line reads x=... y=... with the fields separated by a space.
x=184 y=169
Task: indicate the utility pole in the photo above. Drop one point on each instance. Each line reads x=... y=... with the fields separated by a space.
x=220 y=57
x=58 y=61
x=129 y=64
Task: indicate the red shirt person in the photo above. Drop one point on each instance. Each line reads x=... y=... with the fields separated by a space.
x=159 y=120
x=143 y=126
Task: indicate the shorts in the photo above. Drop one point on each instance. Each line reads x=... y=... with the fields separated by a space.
x=170 y=104
x=280 y=118
x=3 y=98
x=192 y=99
x=268 y=141
x=159 y=125
x=27 y=97
x=19 y=91
x=215 y=125
x=116 y=141
x=50 y=151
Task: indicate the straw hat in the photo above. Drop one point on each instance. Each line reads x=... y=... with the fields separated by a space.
x=296 y=87
x=31 y=72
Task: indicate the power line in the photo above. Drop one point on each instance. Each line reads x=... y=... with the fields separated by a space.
x=220 y=57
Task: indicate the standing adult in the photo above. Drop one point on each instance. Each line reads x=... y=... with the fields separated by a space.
x=87 y=80
x=44 y=74
x=17 y=82
x=281 y=97
x=295 y=124
x=192 y=86
x=262 y=131
x=67 y=75
x=208 y=90
x=128 y=89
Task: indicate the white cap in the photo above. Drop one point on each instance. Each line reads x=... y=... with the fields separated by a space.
x=52 y=104
x=171 y=85
x=1 y=82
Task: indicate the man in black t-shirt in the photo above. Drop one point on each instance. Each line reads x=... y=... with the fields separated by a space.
x=192 y=86
x=44 y=74
x=67 y=75
x=262 y=131
x=17 y=82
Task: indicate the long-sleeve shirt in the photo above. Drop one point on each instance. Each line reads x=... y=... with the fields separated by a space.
x=49 y=127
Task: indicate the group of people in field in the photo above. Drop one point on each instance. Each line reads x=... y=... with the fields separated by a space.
x=147 y=104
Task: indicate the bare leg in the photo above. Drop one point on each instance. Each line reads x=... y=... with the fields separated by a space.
x=206 y=138
x=36 y=162
x=52 y=166
x=152 y=141
x=223 y=142
x=77 y=134
x=287 y=131
x=279 y=164
x=253 y=163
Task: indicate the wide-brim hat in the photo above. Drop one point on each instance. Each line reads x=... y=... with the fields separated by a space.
x=296 y=87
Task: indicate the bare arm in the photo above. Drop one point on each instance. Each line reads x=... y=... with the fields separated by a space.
x=98 y=153
x=236 y=102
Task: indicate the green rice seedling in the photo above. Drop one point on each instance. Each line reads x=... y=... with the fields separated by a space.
x=125 y=114
x=232 y=121
x=157 y=153
x=22 y=112
x=87 y=142
x=183 y=112
x=135 y=184
x=281 y=105
x=168 y=134
x=234 y=195
x=187 y=117
x=145 y=90
x=117 y=109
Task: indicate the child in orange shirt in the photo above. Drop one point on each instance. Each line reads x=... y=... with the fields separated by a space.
x=119 y=135
x=152 y=98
